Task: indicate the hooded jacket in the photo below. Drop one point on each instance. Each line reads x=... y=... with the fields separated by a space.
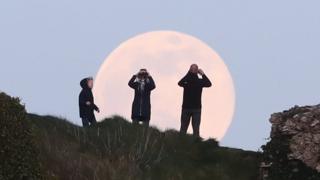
x=86 y=111
x=141 y=107
x=192 y=93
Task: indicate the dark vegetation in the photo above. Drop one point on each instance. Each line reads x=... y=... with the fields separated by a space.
x=117 y=150
x=18 y=153
x=113 y=149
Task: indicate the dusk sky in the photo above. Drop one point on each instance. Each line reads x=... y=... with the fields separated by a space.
x=270 y=47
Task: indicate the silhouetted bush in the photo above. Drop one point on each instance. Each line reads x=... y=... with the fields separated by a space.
x=18 y=155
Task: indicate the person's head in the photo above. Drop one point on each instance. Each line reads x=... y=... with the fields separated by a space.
x=143 y=73
x=87 y=83
x=90 y=82
x=194 y=69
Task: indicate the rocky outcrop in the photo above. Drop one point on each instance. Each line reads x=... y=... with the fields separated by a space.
x=301 y=125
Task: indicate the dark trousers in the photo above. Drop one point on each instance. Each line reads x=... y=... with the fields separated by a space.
x=186 y=116
x=86 y=122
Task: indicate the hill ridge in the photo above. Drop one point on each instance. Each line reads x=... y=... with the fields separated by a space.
x=46 y=147
x=136 y=152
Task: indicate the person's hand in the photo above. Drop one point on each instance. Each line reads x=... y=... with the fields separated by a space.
x=200 y=71
x=88 y=103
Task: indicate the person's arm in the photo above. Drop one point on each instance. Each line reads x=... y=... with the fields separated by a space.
x=82 y=99
x=205 y=81
x=184 y=81
x=150 y=83
x=95 y=107
x=132 y=82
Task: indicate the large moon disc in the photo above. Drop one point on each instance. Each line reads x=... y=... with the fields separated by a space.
x=167 y=55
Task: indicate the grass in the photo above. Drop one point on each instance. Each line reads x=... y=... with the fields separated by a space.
x=114 y=149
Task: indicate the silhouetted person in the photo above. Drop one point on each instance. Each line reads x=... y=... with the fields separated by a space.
x=191 y=107
x=86 y=103
x=143 y=84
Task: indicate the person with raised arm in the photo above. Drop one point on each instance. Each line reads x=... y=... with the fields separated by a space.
x=191 y=107
x=143 y=84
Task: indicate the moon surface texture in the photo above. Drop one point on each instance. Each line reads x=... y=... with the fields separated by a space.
x=167 y=55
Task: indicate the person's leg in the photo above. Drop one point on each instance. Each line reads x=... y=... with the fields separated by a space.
x=185 y=121
x=196 y=120
x=85 y=122
x=93 y=121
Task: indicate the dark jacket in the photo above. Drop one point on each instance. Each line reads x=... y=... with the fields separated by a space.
x=86 y=111
x=193 y=85
x=141 y=107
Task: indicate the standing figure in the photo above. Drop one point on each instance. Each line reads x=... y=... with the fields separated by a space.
x=192 y=93
x=143 y=84
x=86 y=103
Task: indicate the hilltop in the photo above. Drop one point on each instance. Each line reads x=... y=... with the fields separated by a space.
x=45 y=147
x=112 y=149
x=115 y=149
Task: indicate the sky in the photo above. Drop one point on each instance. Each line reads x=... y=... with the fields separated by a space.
x=270 y=47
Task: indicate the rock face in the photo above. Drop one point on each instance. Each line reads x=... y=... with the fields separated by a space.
x=302 y=127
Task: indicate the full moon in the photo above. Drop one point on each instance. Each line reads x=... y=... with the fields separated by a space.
x=167 y=55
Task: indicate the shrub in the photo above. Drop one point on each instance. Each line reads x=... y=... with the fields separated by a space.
x=18 y=155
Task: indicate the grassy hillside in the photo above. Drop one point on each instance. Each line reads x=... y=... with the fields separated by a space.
x=116 y=149
x=36 y=147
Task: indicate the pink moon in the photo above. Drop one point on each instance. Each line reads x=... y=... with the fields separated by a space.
x=167 y=55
